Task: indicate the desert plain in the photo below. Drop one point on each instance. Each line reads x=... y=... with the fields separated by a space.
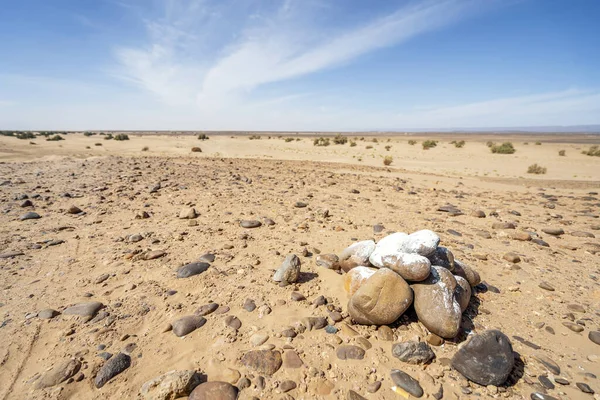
x=93 y=239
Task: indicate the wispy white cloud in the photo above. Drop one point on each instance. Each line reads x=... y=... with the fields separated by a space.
x=177 y=65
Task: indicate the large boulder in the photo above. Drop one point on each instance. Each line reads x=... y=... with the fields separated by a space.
x=388 y=245
x=486 y=359
x=381 y=300
x=423 y=242
x=436 y=303
x=410 y=266
x=462 y=269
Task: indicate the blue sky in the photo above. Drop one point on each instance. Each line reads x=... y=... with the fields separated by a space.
x=298 y=64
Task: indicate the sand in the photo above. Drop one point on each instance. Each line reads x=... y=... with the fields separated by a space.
x=235 y=179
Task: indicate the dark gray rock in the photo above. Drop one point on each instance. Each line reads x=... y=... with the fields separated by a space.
x=413 y=352
x=407 y=382
x=192 y=269
x=112 y=368
x=29 y=215
x=187 y=324
x=486 y=359
x=553 y=231
x=250 y=224
x=48 y=314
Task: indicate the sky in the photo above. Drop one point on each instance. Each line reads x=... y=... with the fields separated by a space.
x=298 y=65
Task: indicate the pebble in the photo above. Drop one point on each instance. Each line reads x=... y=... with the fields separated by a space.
x=594 y=336
x=289 y=271
x=112 y=368
x=585 y=388
x=553 y=231
x=413 y=352
x=29 y=215
x=545 y=382
x=187 y=324
x=214 y=390
x=265 y=362
x=350 y=352
x=572 y=326
x=329 y=261
x=192 y=269
x=374 y=387
x=546 y=286
x=286 y=386
x=170 y=385
x=58 y=374
x=84 y=310
x=295 y=296
x=207 y=309
x=385 y=333
x=47 y=314
x=352 y=395
x=249 y=305
x=407 y=383
x=541 y=396
x=291 y=359
x=233 y=322
x=548 y=363
x=249 y=224
x=512 y=257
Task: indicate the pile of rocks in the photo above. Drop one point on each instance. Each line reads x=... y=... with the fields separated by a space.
x=383 y=279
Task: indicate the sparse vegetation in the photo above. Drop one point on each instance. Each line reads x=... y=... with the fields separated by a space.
x=369 y=147
x=388 y=147
x=412 y=142
x=109 y=137
x=460 y=144
x=504 y=148
x=429 y=144
x=593 y=151
x=490 y=144
x=202 y=136
x=121 y=136
x=88 y=134
x=88 y=147
x=97 y=144
x=352 y=144
x=340 y=139
x=374 y=140
x=196 y=150
x=55 y=138
x=145 y=148
x=538 y=143
x=388 y=160
x=321 y=141
x=562 y=153
x=25 y=135
x=254 y=137
x=536 y=169
x=289 y=139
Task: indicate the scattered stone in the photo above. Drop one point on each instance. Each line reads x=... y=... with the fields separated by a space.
x=374 y=387
x=84 y=310
x=250 y=224
x=378 y=228
x=512 y=257
x=585 y=388
x=188 y=213
x=583 y=234
x=286 y=386
x=112 y=368
x=59 y=374
x=207 y=309
x=572 y=326
x=520 y=235
x=47 y=314
x=192 y=269
x=233 y=322
x=540 y=242
x=187 y=324
x=214 y=391
x=249 y=305
x=487 y=358
x=553 y=231
x=407 y=383
x=381 y=300
x=74 y=210
x=11 y=254
x=29 y=215
x=576 y=308
x=170 y=386
x=207 y=258
x=352 y=395
x=413 y=352
x=503 y=225
x=300 y=204
x=548 y=363
x=258 y=339
x=350 y=352
x=478 y=214
x=434 y=339
x=265 y=362
x=289 y=271
x=385 y=333
x=291 y=359
x=154 y=254
x=546 y=382
x=546 y=286
x=594 y=336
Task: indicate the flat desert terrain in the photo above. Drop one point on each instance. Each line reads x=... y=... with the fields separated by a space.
x=118 y=266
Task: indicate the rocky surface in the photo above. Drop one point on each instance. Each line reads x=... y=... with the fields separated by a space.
x=81 y=290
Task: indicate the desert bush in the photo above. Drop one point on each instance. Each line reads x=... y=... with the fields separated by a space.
x=202 y=136
x=536 y=169
x=289 y=139
x=55 y=138
x=459 y=144
x=88 y=134
x=490 y=144
x=388 y=147
x=25 y=135
x=429 y=144
x=254 y=137
x=121 y=136
x=368 y=147
x=97 y=144
x=321 y=141
x=352 y=144
x=504 y=148
x=340 y=139
x=562 y=153
x=7 y=133
x=593 y=151
x=145 y=148
x=196 y=150
x=374 y=140
x=526 y=143
x=388 y=160
x=538 y=143
x=87 y=147
x=412 y=142
x=109 y=137
x=298 y=139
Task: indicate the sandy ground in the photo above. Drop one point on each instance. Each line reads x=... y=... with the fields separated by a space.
x=65 y=255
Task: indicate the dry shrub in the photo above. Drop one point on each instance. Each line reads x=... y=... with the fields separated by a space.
x=504 y=148
x=196 y=150
x=388 y=160
x=536 y=169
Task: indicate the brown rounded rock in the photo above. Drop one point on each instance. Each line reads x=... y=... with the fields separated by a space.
x=381 y=300
x=214 y=391
x=265 y=362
